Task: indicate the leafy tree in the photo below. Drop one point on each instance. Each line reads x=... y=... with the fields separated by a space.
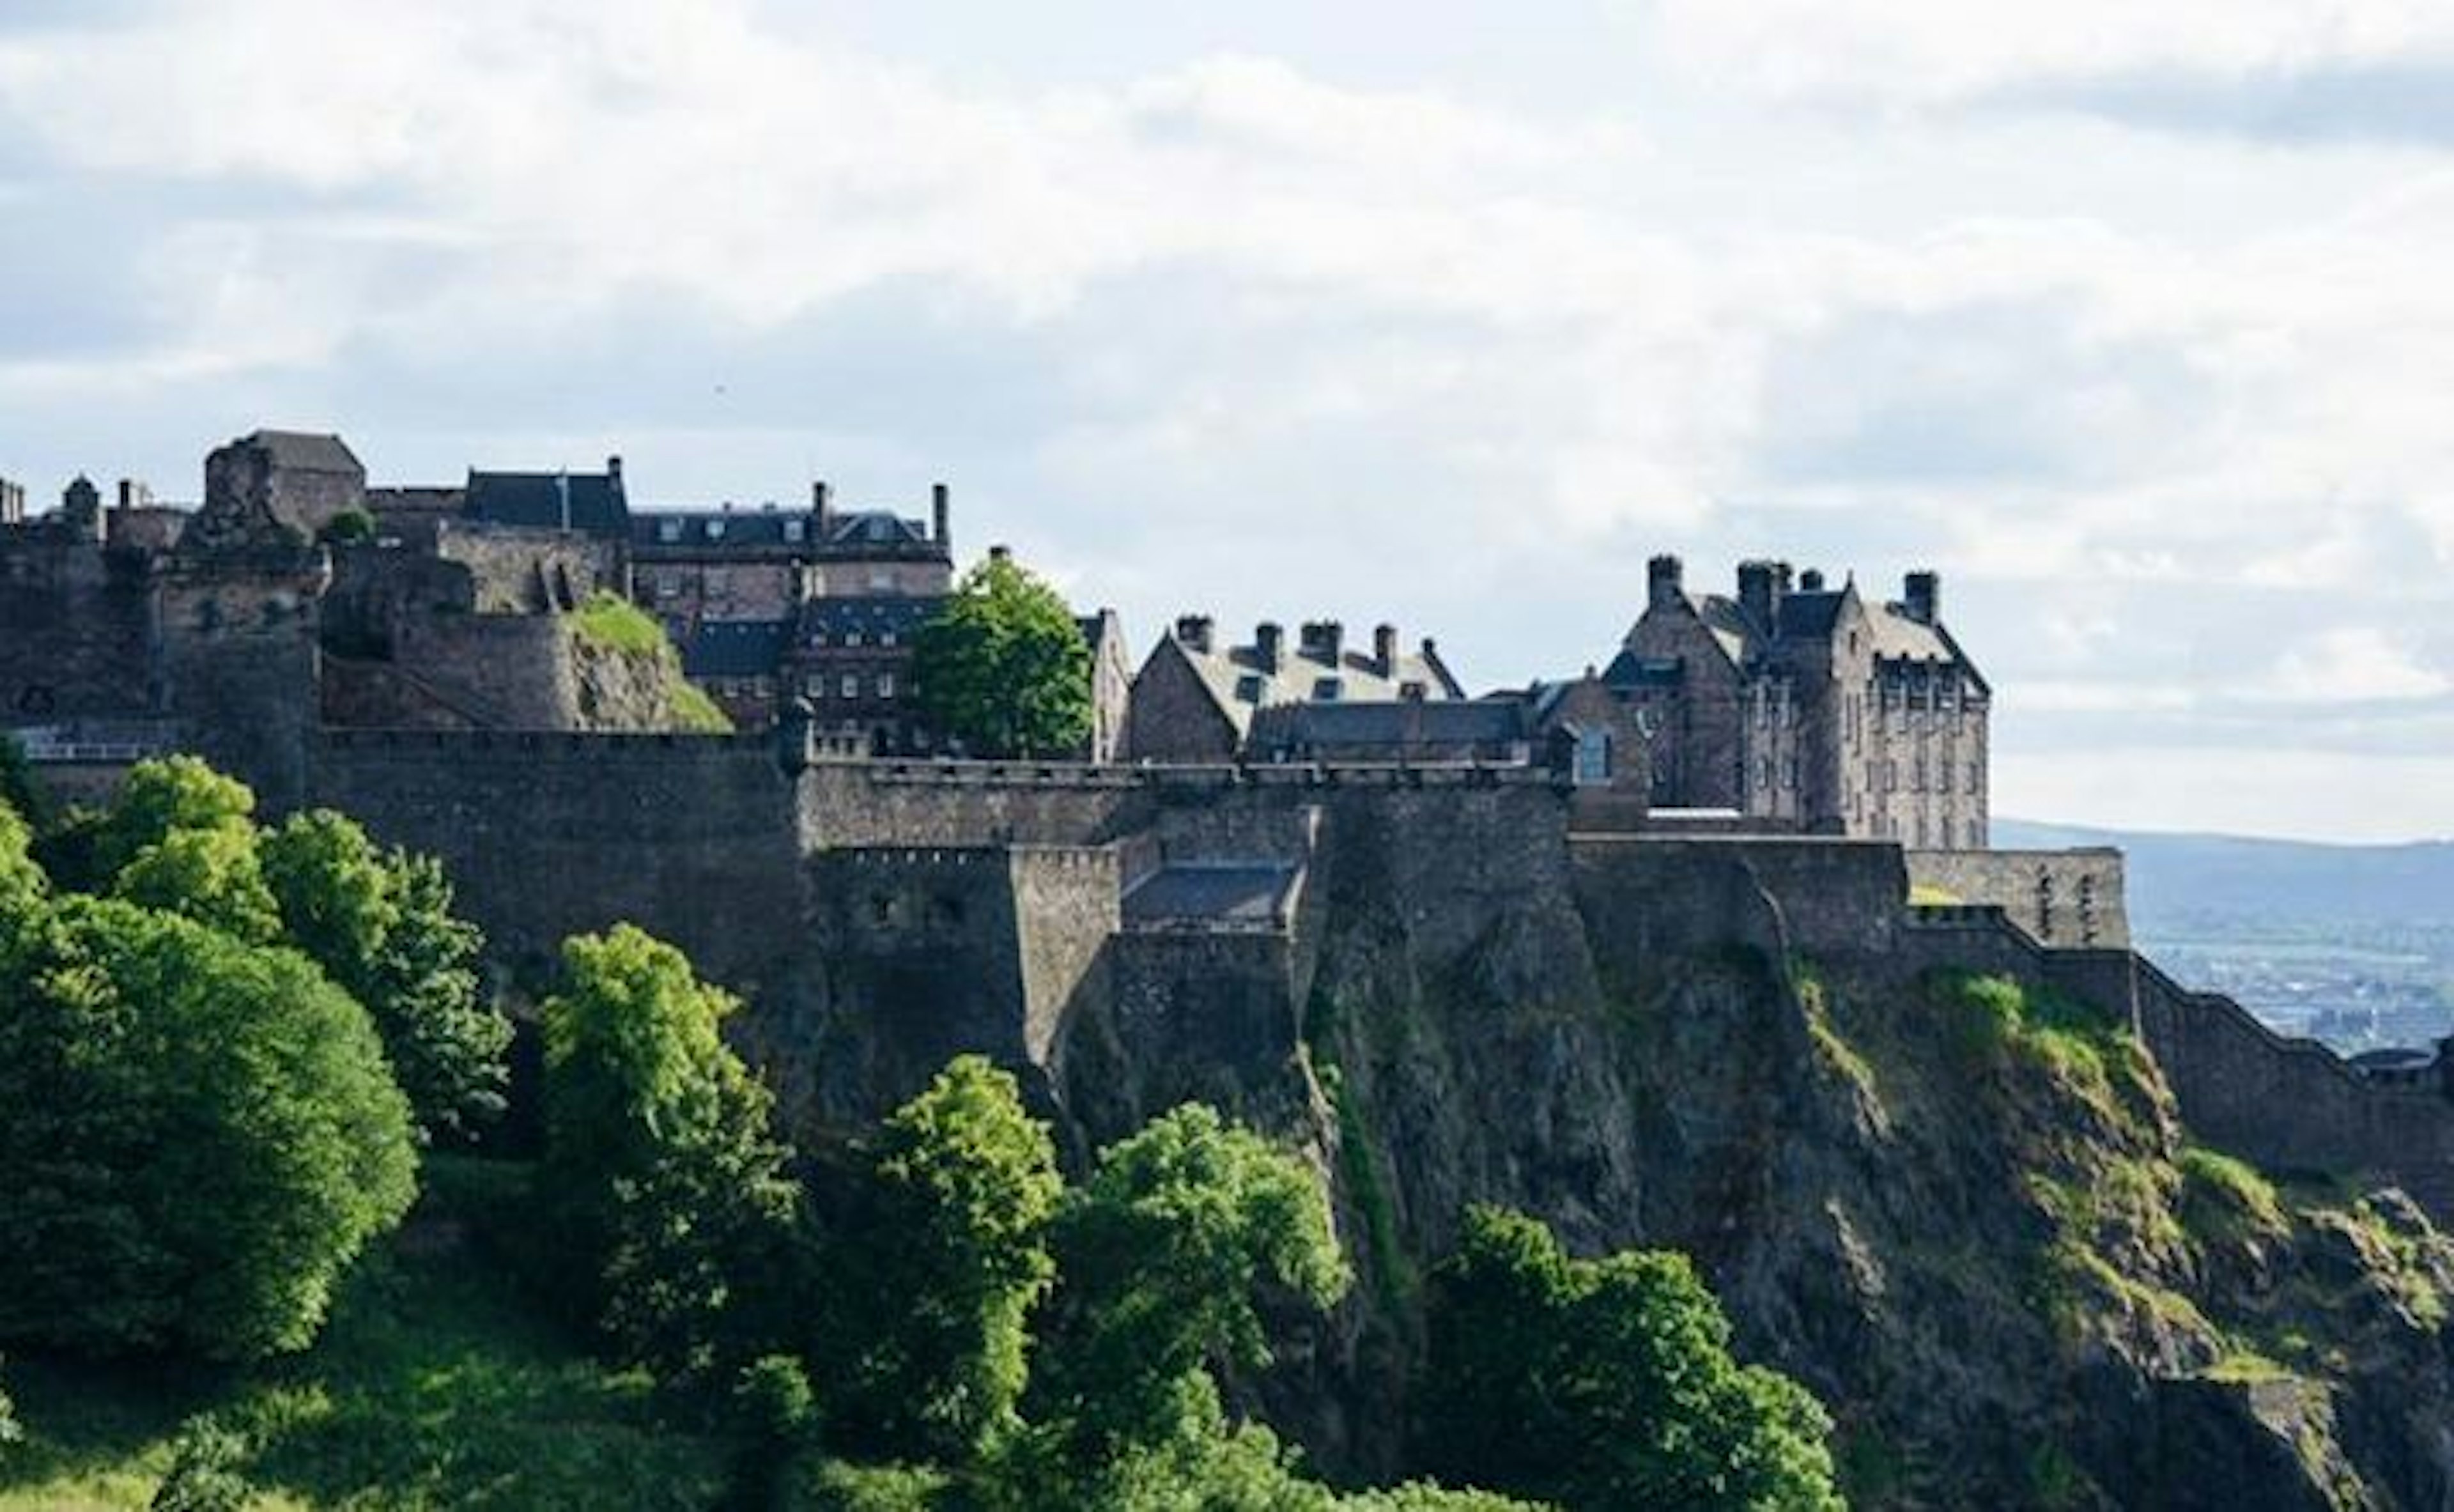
x=179 y=838
x=380 y=923
x=670 y=1192
x=11 y=1432
x=201 y=1136
x=348 y=526
x=1160 y=1257
x=1003 y=667
x=21 y=881
x=954 y=1255
x=18 y=789
x=1607 y=1383
x=205 y=1474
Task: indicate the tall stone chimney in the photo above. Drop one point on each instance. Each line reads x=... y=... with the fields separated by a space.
x=614 y=476
x=1384 y=650
x=1193 y=633
x=822 y=507
x=1759 y=586
x=81 y=506
x=1664 y=581
x=1323 y=640
x=13 y=502
x=941 y=517
x=1269 y=643
x=1921 y=595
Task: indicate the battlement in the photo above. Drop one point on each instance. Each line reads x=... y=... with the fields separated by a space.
x=1199 y=777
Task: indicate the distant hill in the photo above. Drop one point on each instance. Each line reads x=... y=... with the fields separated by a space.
x=2176 y=877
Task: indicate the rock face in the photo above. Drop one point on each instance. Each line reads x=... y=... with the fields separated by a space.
x=1962 y=1209
x=1933 y=1170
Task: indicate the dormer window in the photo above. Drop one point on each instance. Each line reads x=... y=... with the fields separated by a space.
x=795 y=529
x=669 y=531
x=1328 y=690
x=1248 y=689
x=716 y=530
x=851 y=637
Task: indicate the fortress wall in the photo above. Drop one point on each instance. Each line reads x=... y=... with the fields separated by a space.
x=76 y=629
x=520 y=571
x=962 y=804
x=923 y=961
x=2061 y=897
x=1832 y=899
x=511 y=672
x=1066 y=904
x=238 y=663
x=1204 y=1015
x=551 y=833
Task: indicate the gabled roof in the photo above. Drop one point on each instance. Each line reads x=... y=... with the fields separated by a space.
x=1393 y=725
x=1239 y=681
x=307 y=452
x=876 y=528
x=589 y=502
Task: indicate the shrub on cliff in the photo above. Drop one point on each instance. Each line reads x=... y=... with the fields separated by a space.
x=201 y=1135
x=1002 y=666
x=1606 y=1383
x=668 y=1191
x=380 y=923
x=1160 y=1259
x=951 y=1256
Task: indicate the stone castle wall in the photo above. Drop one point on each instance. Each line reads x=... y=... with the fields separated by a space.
x=2062 y=897
x=76 y=628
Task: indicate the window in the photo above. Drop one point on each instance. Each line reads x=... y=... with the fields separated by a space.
x=881 y=582
x=850 y=685
x=1763 y=773
x=885 y=685
x=814 y=685
x=1328 y=690
x=1592 y=758
x=669 y=531
x=851 y=637
x=1248 y=688
x=716 y=530
x=886 y=637
x=794 y=530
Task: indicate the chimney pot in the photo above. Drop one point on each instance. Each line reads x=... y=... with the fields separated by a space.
x=1921 y=595
x=941 y=515
x=1193 y=632
x=1268 y=641
x=1384 y=649
x=1664 y=578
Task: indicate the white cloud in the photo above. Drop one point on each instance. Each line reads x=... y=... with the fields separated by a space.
x=2356 y=664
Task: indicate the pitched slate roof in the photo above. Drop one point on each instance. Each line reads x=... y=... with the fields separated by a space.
x=1238 y=892
x=589 y=502
x=1239 y=682
x=308 y=451
x=1392 y=725
x=835 y=619
x=735 y=648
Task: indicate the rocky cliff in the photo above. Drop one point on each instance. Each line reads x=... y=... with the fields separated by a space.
x=1962 y=1208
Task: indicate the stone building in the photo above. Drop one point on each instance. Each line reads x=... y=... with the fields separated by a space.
x=1195 y=697
x=1809 y=706
x=698 y=566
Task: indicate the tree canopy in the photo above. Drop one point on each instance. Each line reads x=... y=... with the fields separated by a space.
x=1002 y=666
x=965 y=1184
x=202 y=1134
x=666 y=1185
x=1607 y=1384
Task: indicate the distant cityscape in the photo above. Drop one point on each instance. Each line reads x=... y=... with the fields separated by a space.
x=2357 y=987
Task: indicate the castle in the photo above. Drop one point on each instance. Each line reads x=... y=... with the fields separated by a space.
x=1773 y=770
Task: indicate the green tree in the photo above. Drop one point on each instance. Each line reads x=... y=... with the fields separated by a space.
x=1607 y=1384
x=1003 y=667
x=21 y=881
x=1159 y=1257
x=201 y=1136
x=18 y=789
x=951 y=1260
x=380 y=923
x=180 y=837
x=669 y=1190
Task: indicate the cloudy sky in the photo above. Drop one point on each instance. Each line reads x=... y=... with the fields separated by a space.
x=2135 y=321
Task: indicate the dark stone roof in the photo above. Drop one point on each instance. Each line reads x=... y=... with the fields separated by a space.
x=1243 y=892
x=589 y=502
x=307 y=452
x=736 y=648
x=1810 y=614
x=790 y=533
x=1394 y=725
x=1628 y=670
x=836 y=618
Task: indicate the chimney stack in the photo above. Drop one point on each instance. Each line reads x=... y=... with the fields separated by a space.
x=822 y=507
x=1384 y=649
x=1762 y=585
x=1323 y=640
x=1268 y=640
x=81 y=506
x=13 y=502
x=1663 y=581
x=1921 y=595
x=941 y=517
x=1193 y=633
x=1810 y=582
x=614 y=474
